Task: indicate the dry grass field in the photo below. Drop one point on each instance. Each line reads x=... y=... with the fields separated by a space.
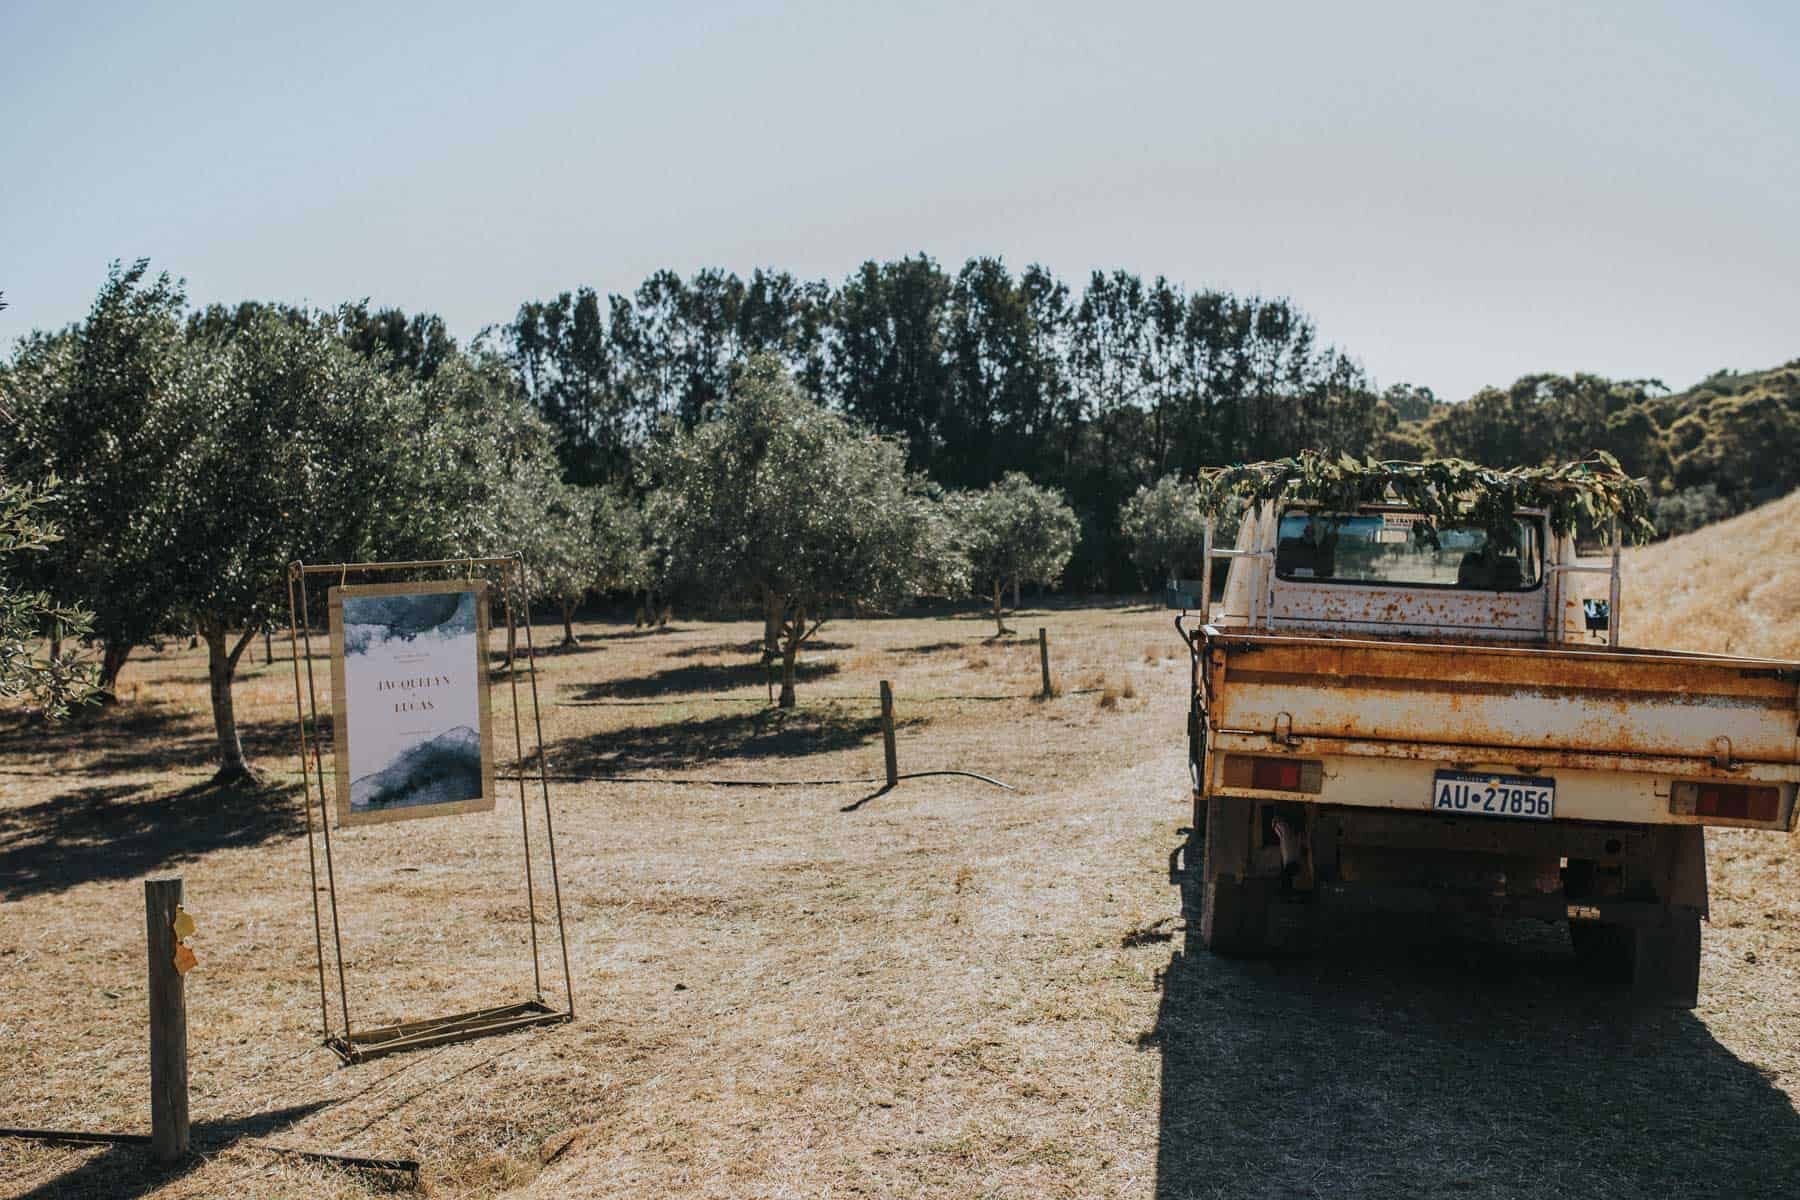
x=1732 y=588
x=946 y=990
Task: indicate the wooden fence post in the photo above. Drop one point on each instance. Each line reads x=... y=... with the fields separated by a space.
x=168 y=1023
x=887 y=733
x=1044 y=658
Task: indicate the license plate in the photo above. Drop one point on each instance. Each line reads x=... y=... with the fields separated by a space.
x=1532 y=797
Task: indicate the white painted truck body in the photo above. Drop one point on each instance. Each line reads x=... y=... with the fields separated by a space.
x=1336 y=714
x=1390 y=683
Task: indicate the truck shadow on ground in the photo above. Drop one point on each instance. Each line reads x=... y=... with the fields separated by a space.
x=1401 y=1062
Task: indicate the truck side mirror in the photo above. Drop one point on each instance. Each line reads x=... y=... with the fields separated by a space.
x=1597 y=614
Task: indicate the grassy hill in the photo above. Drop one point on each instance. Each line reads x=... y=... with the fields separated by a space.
x=1732 y=587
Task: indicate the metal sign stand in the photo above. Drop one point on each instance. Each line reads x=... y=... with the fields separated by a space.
x=359 y=1045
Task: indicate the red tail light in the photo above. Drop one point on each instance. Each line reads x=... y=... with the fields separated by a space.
x=1727 y=801
x=1269 y=774
x=1275 y=775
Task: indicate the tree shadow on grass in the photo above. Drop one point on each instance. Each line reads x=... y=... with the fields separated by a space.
x=752 y=648
x=551 y=647
x=125 y=1171
x=1401 y=1062
x=620 y=635
x=123 y=831
x=769 y=733
x=932 y=648
x=697 y=679
x=141 y=735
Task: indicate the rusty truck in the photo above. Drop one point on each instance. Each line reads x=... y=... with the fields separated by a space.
x=1386 y=722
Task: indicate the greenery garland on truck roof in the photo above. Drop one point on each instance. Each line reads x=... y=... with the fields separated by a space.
x=1592 y=491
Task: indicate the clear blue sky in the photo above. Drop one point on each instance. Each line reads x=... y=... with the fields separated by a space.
x=1458 y=193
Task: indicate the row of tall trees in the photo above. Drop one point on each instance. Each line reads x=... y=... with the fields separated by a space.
x=1102 y=389
x=160 y=470
x=976 y=373
x=164 y=465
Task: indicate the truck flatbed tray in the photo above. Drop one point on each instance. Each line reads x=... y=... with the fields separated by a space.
x=1446 y=700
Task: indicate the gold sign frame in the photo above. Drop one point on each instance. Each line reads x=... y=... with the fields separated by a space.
x=340 y=706
x=350 y=1044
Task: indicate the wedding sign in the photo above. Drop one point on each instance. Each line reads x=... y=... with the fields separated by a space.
x=410 y=700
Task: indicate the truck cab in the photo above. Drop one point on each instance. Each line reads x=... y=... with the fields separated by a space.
x=1385 y=717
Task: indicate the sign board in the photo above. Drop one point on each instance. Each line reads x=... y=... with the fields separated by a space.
x=414 y=735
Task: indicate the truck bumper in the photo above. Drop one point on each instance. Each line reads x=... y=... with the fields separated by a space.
x=1589 y=788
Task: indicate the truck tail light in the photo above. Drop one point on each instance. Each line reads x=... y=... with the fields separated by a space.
x=1727 y=801
x=1270 y=774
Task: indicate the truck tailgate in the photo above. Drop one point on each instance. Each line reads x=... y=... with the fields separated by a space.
x=1670 y=712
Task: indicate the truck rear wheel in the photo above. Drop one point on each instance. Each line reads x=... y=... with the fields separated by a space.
x=1660 y=964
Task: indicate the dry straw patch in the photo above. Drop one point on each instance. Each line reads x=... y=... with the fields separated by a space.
x=1731 y=588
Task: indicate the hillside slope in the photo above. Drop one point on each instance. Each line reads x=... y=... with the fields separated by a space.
x=1730 y=588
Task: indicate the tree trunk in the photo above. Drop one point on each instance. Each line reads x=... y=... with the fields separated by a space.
x=268 y=647
x=56 y=642
x=999 y=621
x=112 y=661
x=771 y=625
x=1015 y=591
x=221 y=666
x=789 y=651
x=568 y=615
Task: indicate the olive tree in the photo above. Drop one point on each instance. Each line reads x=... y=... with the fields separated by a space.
x=81 y=405
x=778 y=500
x=1014 y=530
x=290 y=445
x=55 y=682
x=1166 y=526
x=581 y=539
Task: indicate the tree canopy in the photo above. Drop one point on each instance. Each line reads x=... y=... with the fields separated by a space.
x=56 y=681
x=1014 y=532
x=1166 y=525
x=775 y=500
x=87 y=406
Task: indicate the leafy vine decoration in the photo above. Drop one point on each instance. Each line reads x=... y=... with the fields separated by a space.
x=1448 y=492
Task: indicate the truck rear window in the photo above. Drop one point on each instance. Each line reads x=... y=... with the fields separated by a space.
x=1381 y=548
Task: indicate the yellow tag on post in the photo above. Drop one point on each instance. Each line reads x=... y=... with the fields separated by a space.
x=184 y=924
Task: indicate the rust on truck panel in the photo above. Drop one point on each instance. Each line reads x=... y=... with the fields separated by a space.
x=1243 y=639
x=1470 y=613
x=1574 y=669
x=1254 y=741
x=1511 y=698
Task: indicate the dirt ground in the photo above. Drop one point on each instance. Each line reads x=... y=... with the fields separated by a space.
x=817 y=991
